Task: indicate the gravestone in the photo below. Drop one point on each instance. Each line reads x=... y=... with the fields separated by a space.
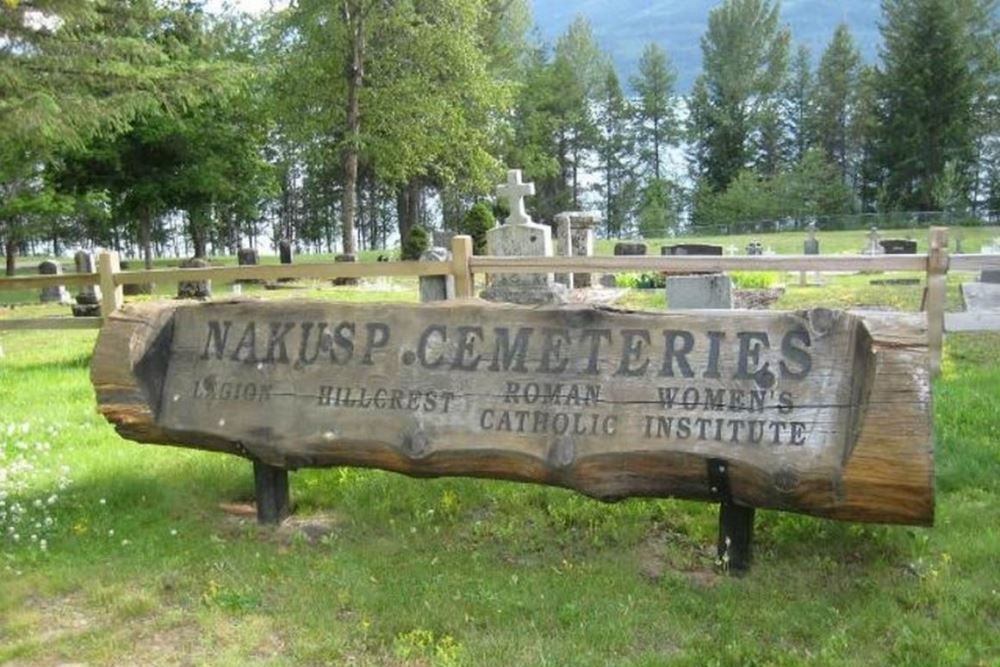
x=899 y=246
x=248 y=257
x=520 y=237
x=712 y=291
x=56 y=293
x=697 y=289
x=580 y=227
x=285 y=257
x=817 y=412
x=88 y=300
x=629 y=248
x=340 y=282
x=811 y=245
x=703 y=249
x=991 y=276
x=562 y=246
x=134 y=289
x=442 y=239
x=194 y=289
x=873 y=244
x=755 y=249
x=436 y=288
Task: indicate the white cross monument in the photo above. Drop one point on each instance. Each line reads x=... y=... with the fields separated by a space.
x=520 y=237
x=514 y=191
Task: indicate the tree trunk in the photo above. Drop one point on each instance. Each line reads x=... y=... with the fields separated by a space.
x=409 y=203
x=10 y=249
x=146 y=237
x=355 y=77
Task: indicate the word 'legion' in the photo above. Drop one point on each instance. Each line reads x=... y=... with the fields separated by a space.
x=636 y=352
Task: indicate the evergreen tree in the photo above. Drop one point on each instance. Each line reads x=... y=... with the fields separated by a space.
x=798 y=109
x=656 y=122
x=937 y=69
x=835 y=100
x=734 y=114
x=615 y=149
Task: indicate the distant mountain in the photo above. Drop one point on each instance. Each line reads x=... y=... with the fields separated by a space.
x=624 y=27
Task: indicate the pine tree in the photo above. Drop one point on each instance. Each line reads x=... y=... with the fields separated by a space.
x=835 y=100
x=614 y=149
x=656 y=122
x=798 y=103
x=734 y=108
x=936 y=72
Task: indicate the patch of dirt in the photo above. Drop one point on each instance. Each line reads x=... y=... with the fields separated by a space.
x=598 y=296
x=756 y=299
x=665 y=552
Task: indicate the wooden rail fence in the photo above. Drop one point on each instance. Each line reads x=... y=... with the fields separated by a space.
x=464 y=266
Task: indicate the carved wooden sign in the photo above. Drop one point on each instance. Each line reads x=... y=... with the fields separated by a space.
x=822 y=412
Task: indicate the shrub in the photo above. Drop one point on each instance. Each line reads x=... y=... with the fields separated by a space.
x=415 y=243
x=476 y=223
x=754 y=279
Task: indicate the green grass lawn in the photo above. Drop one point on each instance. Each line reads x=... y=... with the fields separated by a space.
x=142 y=565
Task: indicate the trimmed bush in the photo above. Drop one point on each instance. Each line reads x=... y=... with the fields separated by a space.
x=415 y=243
x=476 y=223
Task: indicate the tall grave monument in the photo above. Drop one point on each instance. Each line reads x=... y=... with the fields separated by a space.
x=521 y=237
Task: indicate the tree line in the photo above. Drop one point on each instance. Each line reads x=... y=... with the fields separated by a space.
x=154 y=127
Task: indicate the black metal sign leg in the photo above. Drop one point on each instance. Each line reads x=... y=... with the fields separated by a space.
x=271 y=490
x=735 y=537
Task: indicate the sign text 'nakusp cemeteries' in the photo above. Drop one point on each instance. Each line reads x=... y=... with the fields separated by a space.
x=821 y=412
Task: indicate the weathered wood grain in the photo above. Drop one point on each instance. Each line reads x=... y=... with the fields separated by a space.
x=582 y=399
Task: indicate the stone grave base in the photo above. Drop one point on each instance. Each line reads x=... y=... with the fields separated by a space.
x=525 y=292
x=86 y=309
x=981 y=296
x=713 y=291
x=756 y=299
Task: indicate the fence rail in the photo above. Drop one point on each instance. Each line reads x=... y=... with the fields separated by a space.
x=463 y=267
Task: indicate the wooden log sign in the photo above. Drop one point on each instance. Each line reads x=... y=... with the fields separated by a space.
x=821 y=412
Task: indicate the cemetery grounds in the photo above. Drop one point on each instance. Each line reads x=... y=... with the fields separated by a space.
x=129 y=554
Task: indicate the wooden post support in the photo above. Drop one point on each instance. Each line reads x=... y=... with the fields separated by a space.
x=112 y=295
x=271 y=491
x=461 y=252
x=937 y=280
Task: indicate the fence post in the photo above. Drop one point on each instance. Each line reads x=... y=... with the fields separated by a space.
x=112 y=295
x=937 y=281
x=461 y=251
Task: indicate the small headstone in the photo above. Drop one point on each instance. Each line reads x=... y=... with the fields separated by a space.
x=248 y=257
x=811 y=244
x=899 y=246
x=134 y=289
x=56 y=293
x=199 y=289
x=755 y=248
x=713 y=291
x=285 y=256
x=563 y=247
x=442 y=239
x=520 y=237
x=345 y=281
x=692 y=249
x=88 y=301
x=609 y=280
x=581 y=226
x=874 y=243
x=628 y=248
x=991 y=276
x=436 y=288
